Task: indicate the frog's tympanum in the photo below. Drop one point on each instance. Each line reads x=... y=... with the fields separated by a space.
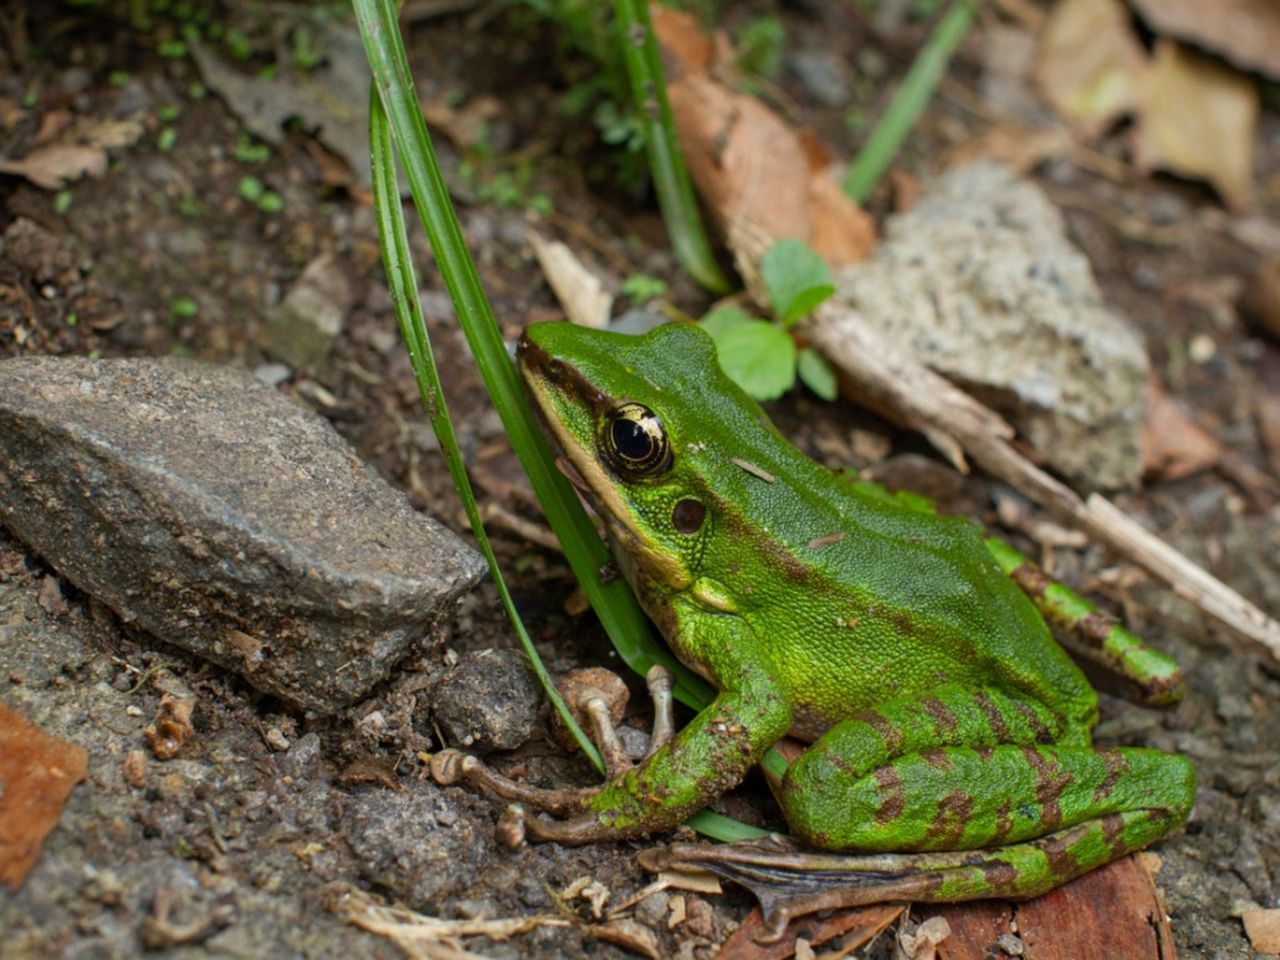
x=950 y=733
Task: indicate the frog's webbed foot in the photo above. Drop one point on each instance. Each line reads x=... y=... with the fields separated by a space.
x=451 y=766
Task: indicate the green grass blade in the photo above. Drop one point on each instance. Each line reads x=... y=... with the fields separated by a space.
x=666 y=162
x=403 y=282
x=909 y=102
x=613 y=602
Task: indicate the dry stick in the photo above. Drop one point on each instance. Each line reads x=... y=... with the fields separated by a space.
x=929 y=402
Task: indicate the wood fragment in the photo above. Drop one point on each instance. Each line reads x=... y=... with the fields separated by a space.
x=1263 y=929
x=580 y=291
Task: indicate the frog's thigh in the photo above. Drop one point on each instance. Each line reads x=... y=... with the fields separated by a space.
x=953 y=716
x=963 y=798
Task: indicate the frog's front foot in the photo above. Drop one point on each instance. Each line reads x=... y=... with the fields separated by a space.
x=449 y=767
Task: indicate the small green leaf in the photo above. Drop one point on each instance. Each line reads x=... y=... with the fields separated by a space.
x=759 y=357
x=250 y=188
x=721 y=319
x=641 y=288
x=816 y=374
x=797 y=279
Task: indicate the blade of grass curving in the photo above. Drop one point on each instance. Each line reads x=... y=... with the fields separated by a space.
x=403 y=282
x=909 y=102
x=613 y=602
x=666 y=162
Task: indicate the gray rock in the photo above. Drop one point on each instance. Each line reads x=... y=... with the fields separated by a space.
x=221 y=517
x=302 y=329
x=825 y=74
x=487 y=701
x=981 y=283
x=419 y=843
x=300 y=762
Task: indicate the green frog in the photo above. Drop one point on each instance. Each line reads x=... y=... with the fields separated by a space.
x=949 y=733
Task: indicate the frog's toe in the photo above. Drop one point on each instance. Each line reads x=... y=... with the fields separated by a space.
x=659 y=682
x=584 y=829
x=449 y=767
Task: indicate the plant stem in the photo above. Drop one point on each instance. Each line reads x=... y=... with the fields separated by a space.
x=909 y=102
x=666 y=163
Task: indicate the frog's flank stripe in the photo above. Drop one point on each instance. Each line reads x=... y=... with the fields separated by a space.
x=1090 y=634
x=892 y=794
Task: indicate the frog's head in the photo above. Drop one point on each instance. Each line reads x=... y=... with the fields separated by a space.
x=633 y=418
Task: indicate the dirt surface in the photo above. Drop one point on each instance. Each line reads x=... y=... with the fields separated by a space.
x=251 y=840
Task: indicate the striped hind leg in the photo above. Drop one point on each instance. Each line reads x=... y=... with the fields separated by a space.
x=1152 y=678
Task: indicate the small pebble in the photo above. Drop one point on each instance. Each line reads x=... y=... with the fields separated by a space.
x=275 y=739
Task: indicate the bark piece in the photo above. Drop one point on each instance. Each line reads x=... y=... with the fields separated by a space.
x=223 y=518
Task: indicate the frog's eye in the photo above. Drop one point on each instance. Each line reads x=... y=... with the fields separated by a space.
x=635 y=442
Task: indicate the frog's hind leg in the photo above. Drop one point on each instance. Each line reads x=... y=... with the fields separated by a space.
x=790 y=882
x=1153 y=678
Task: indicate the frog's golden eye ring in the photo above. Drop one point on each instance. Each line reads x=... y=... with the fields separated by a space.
x=635 y=442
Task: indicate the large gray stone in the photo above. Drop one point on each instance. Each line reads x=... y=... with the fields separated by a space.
x=223 y=518
x=980 y=282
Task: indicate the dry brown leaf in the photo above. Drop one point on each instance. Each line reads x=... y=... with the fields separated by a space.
x=1018 y=147
x=1245 y=32
x=1091 y=63
x=685 y=48
x=1172 y=445
x=1267 y=407
x=54 y=166
x=580 y=291
x=1263 y=929
x=1198 y=119
x=464 y=125
x=1262 y=299
x=857 y=926
x=37 y=772
x=755 y=172
x=1106 y=914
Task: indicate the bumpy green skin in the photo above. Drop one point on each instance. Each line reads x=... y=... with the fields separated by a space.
x=944 y=715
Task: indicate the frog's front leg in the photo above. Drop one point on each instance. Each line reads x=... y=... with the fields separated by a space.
x=707 y=758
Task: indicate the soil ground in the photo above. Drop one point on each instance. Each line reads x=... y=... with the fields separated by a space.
x=165 y=254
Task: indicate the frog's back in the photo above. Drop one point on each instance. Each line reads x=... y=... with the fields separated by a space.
x=873 y=599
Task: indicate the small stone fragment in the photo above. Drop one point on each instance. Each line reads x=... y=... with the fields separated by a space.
x=171 y=727
x=275 y=739
x=134 y=769
x=300 y=762
x=210 y=510
x=488 y=701
x=421 y=844
x=979 y=281
x=301 y=330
